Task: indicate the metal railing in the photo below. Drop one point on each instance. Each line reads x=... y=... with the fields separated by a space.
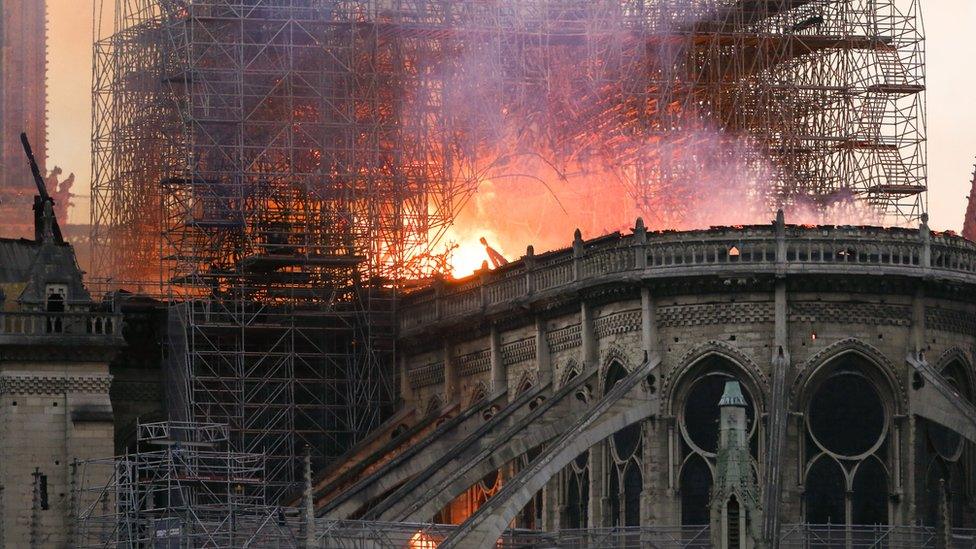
x=362 y=534
x=750 y=249
x=185 y=432
x=636 y=537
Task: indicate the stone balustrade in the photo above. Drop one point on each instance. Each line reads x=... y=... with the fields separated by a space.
x=18 y=324
x=777 y=248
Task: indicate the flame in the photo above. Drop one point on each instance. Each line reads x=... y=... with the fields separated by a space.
x=529 y=200
x=421 y=540
x=467 y=254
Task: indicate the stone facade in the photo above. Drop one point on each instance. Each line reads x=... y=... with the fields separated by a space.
x=55 y=406
x=814 y=323
x=50 y=415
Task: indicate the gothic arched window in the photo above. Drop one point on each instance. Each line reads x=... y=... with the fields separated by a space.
x=624 y=479
x=696 y=486
x=847 y=424
x=947 y=460
x=698 y=426
x=574 y=493
x=530 y=516
x=576 y=490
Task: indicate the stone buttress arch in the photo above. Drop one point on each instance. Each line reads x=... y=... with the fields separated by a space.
x=627 y=403
x=438 y=485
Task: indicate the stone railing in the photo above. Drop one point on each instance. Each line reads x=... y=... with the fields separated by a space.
x=58 y=325
x=776 y=248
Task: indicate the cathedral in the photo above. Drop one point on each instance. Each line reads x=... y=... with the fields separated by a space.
x=742 y=386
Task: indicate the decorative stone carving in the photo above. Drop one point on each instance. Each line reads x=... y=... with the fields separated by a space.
x=570 y=370
x=949 y=355
x=834 y=350
x=617 y=323
x=561 y=339
x=53 y=385
x=528 y=378
x=950 y=320
x=696 y=354
x=714 y=313
x=519 y=351
x=614 y=353
x=429 y=374
x=876 y=314
x=473 y=363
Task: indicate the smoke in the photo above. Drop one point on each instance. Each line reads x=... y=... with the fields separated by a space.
x=565 y=120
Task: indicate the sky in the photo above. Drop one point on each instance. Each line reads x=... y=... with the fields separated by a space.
x=951 y=101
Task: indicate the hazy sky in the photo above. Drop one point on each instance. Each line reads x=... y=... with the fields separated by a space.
x=950 y=26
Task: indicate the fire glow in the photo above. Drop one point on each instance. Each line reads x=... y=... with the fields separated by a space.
x=598 y=141
x=533 y=203
x=422 y=540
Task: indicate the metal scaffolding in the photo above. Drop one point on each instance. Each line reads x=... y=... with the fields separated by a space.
x=182 y=487
x=277 y=168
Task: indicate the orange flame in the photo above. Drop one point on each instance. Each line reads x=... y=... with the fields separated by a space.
x=421 y=540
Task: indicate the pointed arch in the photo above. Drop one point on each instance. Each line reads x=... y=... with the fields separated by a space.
x=869 y=488
x=695 y=481
x=434 y=404
x=957 y=355
x=479 y=392
x=570 y=370
x=825 y=485
x=526 y=381
x=849 y=394
x=693 y=361
x=614 y=355
x=819 y=363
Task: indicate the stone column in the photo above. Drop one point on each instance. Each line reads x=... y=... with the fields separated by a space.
x=543 y=360
x=450 y=375
x=779 y=404
x=650 y=343
x=406 y=390
x=499 y=376
x=590 y=352
x=550 y=505
x=907 y=448
x=917 y=343
x=651 y=447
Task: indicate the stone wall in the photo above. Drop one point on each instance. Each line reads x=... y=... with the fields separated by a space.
x=815 y=317
x=50 y=415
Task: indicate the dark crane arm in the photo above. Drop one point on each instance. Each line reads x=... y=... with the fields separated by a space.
x=43 y=198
